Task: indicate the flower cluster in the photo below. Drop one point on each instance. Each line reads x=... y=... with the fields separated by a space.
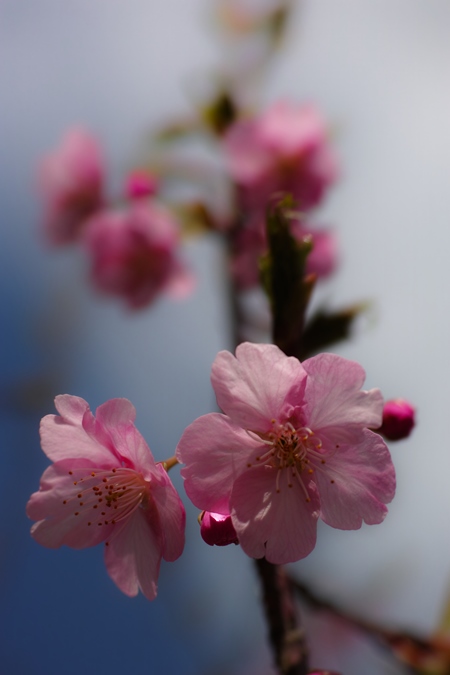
x=293 y=445
x=105 y=486
x=133 y=249
x=284 y=150
x=132 y=253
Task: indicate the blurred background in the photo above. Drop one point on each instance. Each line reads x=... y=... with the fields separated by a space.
x=381 y=73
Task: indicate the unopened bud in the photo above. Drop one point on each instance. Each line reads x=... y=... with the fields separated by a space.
x=398 y=419
x=140 y=183
x=217 y=529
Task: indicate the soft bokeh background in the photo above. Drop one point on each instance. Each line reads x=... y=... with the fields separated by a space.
x=381 y=73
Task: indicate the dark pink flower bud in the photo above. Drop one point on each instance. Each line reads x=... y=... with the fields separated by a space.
x=398 y=419
x=141 y=183
x=217 y=529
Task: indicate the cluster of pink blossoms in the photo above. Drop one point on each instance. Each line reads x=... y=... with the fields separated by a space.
x=294 y=444
x=133 y=249
x=105 y=486
x=284 y=150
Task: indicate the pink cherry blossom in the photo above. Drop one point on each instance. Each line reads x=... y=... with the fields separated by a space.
x=71 y=182
x=104 y=486
x=217 y=529
x=286 y=149
x=134 y=253
x=251 y=243
x=398 y=419
x=293 y=445
x=140 y=183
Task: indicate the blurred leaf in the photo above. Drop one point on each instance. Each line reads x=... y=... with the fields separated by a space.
x=220 y=113
x=277 y=23
x=196 y=219
x=326 y=328
x=178 y=129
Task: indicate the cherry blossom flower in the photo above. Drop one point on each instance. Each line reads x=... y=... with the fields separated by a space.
x=71 y=181
x=398 y=419
x=104 y=486
x=134 y=253
x=251 y=243
x=292 y=446
x=286 y=149
x=217 y=529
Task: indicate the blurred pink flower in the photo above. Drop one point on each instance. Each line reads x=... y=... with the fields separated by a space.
x=104 y=485
x=293 y=445
x=71 y=183
x=135 y=253
x=140 y=183
x=398 y=419
x=286 y=149
x=250 y=244
x=217 y=529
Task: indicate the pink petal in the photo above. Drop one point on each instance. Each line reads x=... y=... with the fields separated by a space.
x=246 y=157
x=364 y=481
x=116 y=418
x=334 y=398
x=323 y=258
x=258 y=385
x=172 y=516
x=278 y=525
x=215 y=451
x=55 y=506
x=133 y=556
x=116 y=412
x=181 y=282
x=64 y=436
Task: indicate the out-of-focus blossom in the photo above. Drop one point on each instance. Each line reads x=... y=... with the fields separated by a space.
x=104 y=486
x=398 y=419
x=217 y=529
x=250 y=244
x=134 y=253
x=286 y=149
x=140 y=183
x=293 y=445
x=71 y=182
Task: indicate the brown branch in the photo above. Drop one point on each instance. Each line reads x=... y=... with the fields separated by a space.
x=420 y=653
x=286 y=637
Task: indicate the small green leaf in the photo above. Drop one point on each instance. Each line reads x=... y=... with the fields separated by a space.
x=326 y=328
x=220 y=113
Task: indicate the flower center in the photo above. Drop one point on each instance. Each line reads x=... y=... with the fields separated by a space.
x=107 y=496
x=294 y=447
x=294 y=450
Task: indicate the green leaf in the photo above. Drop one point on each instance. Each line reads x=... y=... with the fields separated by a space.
x=220 y=113
x=326 y=328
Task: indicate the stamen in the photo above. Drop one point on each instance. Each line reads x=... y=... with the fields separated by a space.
x=125 y=490
x=255 y=437
x=302 y=485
